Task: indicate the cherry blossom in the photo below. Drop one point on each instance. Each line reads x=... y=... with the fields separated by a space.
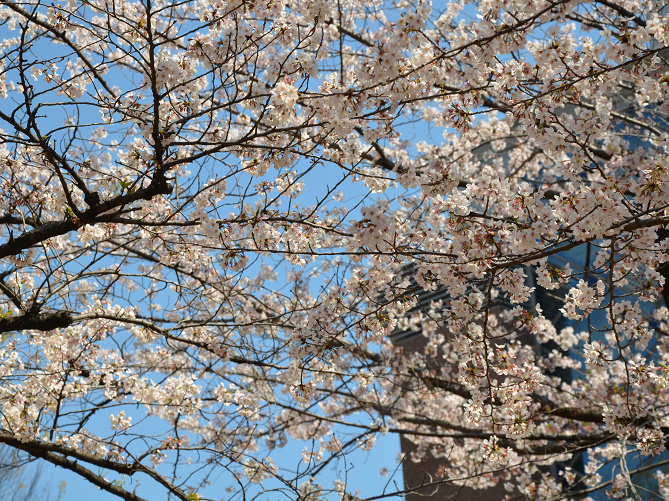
x=234 y=227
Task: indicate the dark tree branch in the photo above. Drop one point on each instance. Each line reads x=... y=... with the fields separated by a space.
x=36 y=321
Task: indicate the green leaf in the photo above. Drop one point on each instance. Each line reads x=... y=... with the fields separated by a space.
x=125 y=186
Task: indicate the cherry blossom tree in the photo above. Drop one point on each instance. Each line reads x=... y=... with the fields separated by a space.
x=208 y=210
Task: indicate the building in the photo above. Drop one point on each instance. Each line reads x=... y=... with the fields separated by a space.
x=423 y=478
